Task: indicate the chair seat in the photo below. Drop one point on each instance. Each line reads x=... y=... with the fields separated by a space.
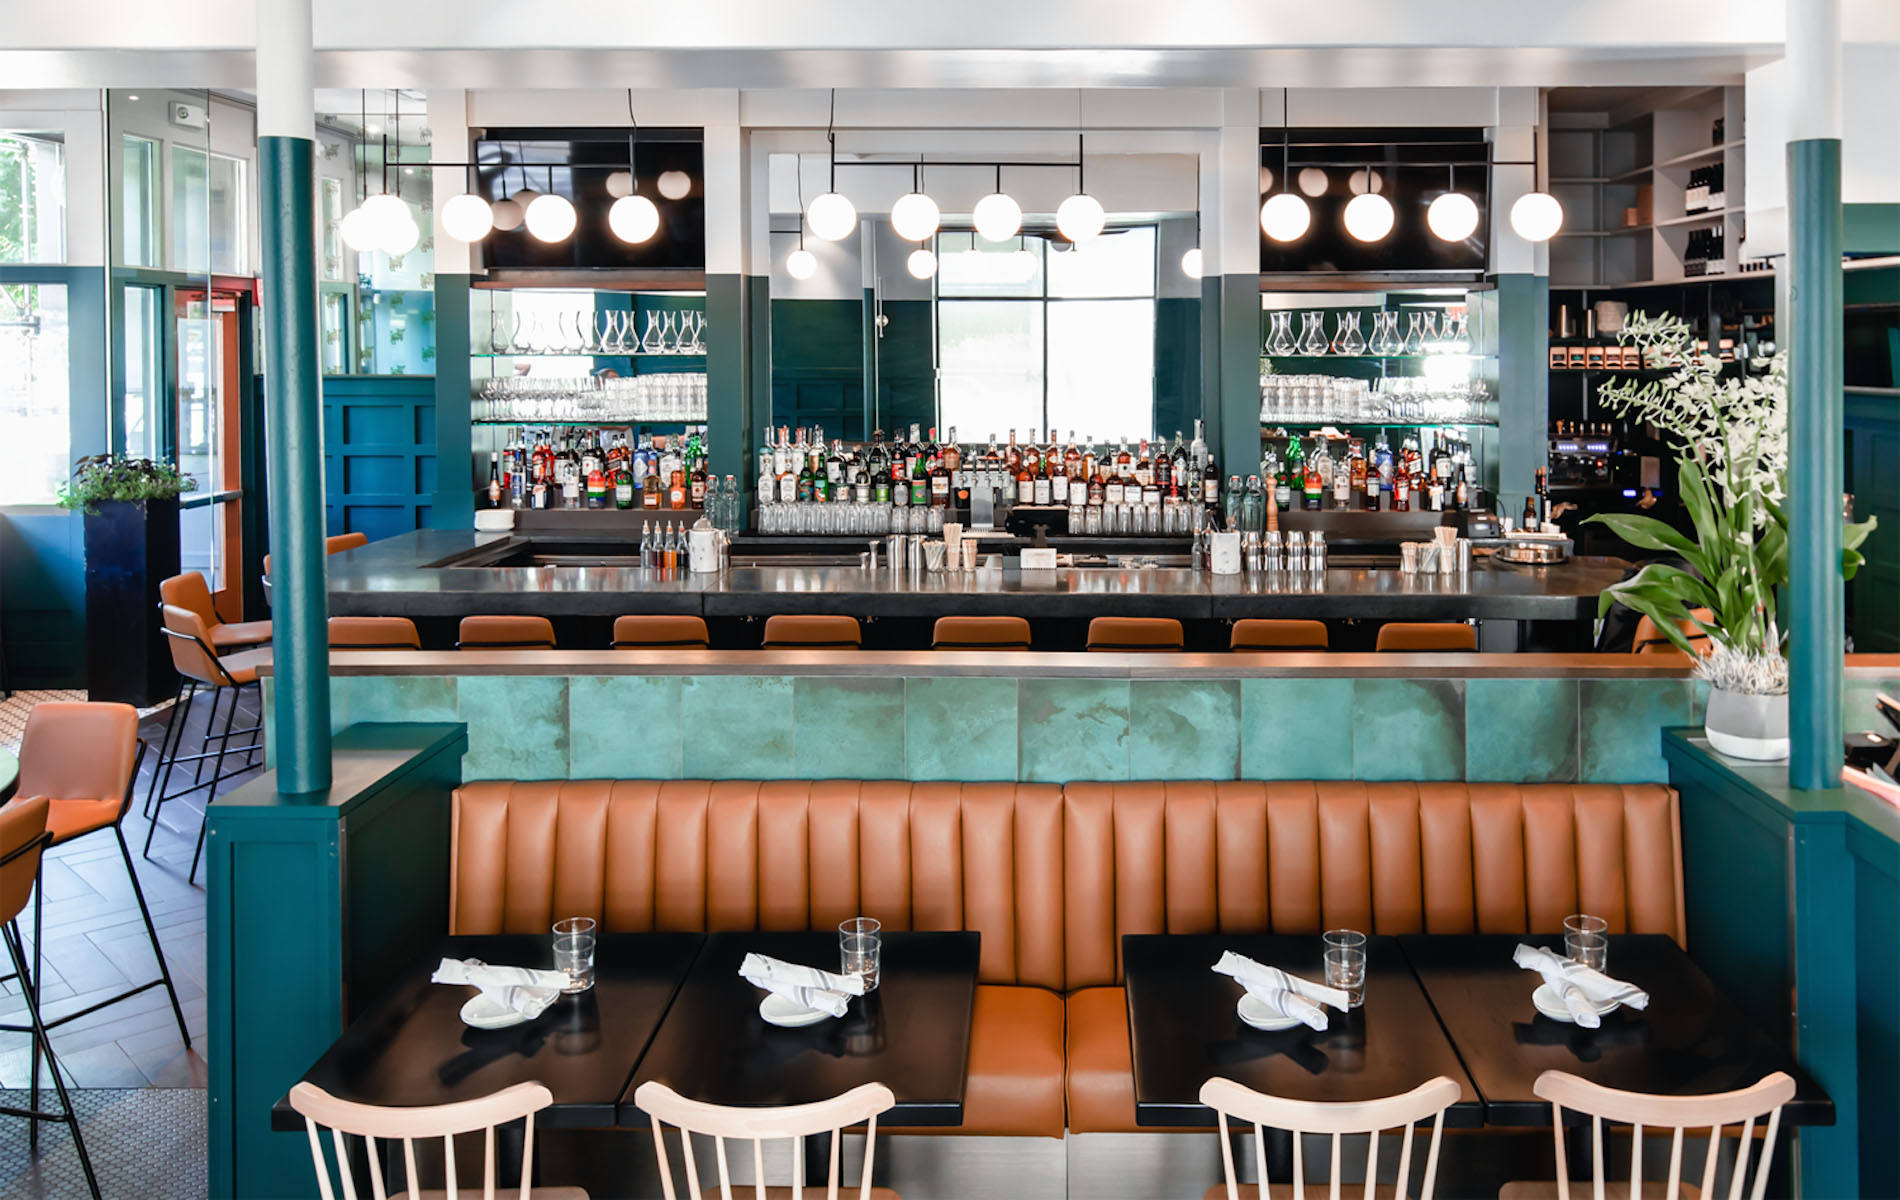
x=473 y=1190
x=1584 y=1189
x=243 y=665
x=1014 y=1088
x=847 y=1190
x=1354 y=1191
x=239 y=634
x=1101 y=1078
x=68 y=819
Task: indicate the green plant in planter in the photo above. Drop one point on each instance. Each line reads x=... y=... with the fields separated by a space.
x=102 y=477
x=1731 y=443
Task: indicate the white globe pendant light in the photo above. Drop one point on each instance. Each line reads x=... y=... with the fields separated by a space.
x=915 y=216
x=1369 y=216
x=1313 y=181
x=507 y=215
x=619 y=184
x=801 y=264
x=1536 y=216
x=467 y=218
x=401 y=237
x=525 y=197
x=1452 y=217
x=674 y=185
x=832 y=216
x=359 y=230
x=551 y=218
x=633 y=219
x=1080 y=218
x=1193 y=263
x=921 y=264
x=1285 y=217
x=385 y=213
x=997 y=217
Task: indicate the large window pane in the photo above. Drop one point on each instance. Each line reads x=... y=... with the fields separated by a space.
x=144 y=370
x=970 y=266
x=33 y=392
x=140 y=207
x=32 y=198
x=992 y=366
x=1101 y=368
x=208 y=223
x=1120 y=264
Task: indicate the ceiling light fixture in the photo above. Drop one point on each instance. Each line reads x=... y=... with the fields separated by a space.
x=801 y=263
x=915 y=216
x=633 y=218
x=1193 y=263
x=551 y=217
x=1080 y=218
x=1536 y=215
x=832 y=216
x=1369 y=215
x=997 y=217
x=1452 y=216
x=675 y=185
x=921 y=264
x=1285 y=217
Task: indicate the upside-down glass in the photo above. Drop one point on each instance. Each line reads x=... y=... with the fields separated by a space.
x=1587 y=940
x=861 y=949
x=574 y=952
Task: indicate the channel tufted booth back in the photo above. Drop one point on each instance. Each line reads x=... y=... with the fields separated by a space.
x=1391 y=858
x=692 y=855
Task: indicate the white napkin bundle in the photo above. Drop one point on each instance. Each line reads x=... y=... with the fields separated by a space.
x=1288 y=995
x=1582 y=988
x=820 y=991
x=522 y=989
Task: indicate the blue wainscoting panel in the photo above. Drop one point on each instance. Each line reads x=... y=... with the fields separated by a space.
x=379 y=442
x=43 y=598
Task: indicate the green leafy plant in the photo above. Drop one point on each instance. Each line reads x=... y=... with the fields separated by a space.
x=1731 y=443
x=103 y=477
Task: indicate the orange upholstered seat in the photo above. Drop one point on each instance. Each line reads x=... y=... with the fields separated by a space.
x=374 y=633
x=660 y=632
x=190 y=591
x=1423 y=636
x=505 y=633
x=792 y=632
x=1140 y=635
x=980 y=633
x=1650 y=640
x=1257 y=633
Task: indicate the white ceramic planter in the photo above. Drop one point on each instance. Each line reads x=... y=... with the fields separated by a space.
x=1751 y=727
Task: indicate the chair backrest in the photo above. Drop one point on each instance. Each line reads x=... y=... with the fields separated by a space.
x=980 y=633
x=192 y=653
x=347 y=1119
x=79 y=750
x=505 y=633
x=22 y=839
x=1424 y=636
x=344 y=541
x=1651 y=640
x=374 y=633
x=1373 y=1117
x=189 y=591
x=1262 y=633
x=659 y=633
x=830 y=632
x=1677 y=1114
x=859 y=1106
x=1137 y=635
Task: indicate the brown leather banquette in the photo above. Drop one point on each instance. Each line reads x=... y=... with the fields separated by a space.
x=1053 y=876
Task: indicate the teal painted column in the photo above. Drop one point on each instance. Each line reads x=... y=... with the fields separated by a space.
x=456 y=473
x=1816 y=594
x=1233 y=425
x=728 y=406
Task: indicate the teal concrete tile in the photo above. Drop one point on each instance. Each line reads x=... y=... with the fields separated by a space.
x=1857 y=703
x=1408 y=729
x=356 y=698
x=848 y=728
x=1296 y=729
x=1698 y=700
x=1184 y=729
x=1069 y=729
x=517 y=726
x=1620 y=724
x=737 y=726
x=1521 y=730
x=960 y=729
x=624 y=727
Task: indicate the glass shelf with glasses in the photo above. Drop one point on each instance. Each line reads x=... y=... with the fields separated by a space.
x=1401 y=400
x=1427 y=331
x=669 y=398
x=589 y=353
x=600 y=423
x=1273 y=430
x=1433 y=357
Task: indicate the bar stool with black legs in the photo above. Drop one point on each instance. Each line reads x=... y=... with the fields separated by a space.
x=1260 y=633
x=980 y=633
x=23 y=841
x=82 y=759
x=374 y=633
x=1422 y=637
x=222 y=674
x=789 y=632
x=1135 y=635
x=505 y=633
x=190 y=590
x=661 y=633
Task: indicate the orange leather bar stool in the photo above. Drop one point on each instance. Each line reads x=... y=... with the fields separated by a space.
x=202 y=667
x=190 y=591
x=23 y=840
x=661 y=633
x=82 y=759
x=980 y=633
x=1422 y=636
x=1138 y=635
x=505 y=633
x=332 y=545
x=1650 y=640
x=812 y=633
x=374 y=633
x=1259 y=633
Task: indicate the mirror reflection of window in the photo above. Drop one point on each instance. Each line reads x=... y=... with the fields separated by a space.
x=208 y=217
x=33 y=392
x=32 y=198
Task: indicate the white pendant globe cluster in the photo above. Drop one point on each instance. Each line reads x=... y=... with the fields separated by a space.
x=382 y=222
x=915 y=217
x=1453 y=217
x=832 y=216
x=1536 y=216
x=1369 y=216
x=997 y=217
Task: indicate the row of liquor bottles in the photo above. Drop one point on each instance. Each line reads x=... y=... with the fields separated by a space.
x=1344 y=474
x=550 y=468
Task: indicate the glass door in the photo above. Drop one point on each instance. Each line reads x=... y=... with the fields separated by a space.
x=207 y=430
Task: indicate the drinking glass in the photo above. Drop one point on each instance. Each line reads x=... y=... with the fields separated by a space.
x=1587 y=940
x=574 y=952
x=1346 y=965
x=860 y=949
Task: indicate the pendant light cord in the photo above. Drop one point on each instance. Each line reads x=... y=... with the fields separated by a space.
x=633 y=146
x=1286 y=137
x=397 y=94
x=798 y=167
x=831 y=139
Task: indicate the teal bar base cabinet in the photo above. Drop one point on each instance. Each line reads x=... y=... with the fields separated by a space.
x=315 y=903
x=1793 y=905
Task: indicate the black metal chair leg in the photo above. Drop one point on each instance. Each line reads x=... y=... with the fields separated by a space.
x=59 y=1085
x=33 y=985
x=211 y=794
x=168 y=746
x=204 y=747
x=164 y=971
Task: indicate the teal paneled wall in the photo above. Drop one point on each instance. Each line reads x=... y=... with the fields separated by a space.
x=43 y=598
x=906 y=360
x=379 y=453
x=1177 y=364
x=1873 y=447
x=458 y=473
x=818 y=365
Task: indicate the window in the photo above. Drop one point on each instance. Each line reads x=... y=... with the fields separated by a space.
x=208 y=227
x=1034 y=338
x=330 y=248
x=144 y=369
x=32 y=198
x=33 y=392
x=140 y=207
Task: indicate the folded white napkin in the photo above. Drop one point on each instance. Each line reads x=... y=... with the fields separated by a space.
x=524 y=989
x=1288 y=995
x=1582 y=988
x=820 y=991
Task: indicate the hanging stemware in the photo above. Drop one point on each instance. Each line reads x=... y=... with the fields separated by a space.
x=1280 y=340
x=1348 y=340
x=1313 y=334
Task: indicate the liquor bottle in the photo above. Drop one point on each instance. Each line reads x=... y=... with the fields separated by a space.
x=1460 y=492
x=1178 y=463
x=1530 y=514
x=571 y=478
x=494 y=479
x=1114 y=490
x=1253 y=507
x=672 y=551
x=696 y=482
x=1310 y=488
x=919 y=469
x=1210 y=477
x=1343 y=477
x=802 y=488
x=1401 y=487
x=597 y=485
x=1072 y=459
x=1144 y=465
x=1321 y=461
x=834 y=467
x=1295 y=466
x=1059 y=468
x=676 y=491
x=1436 y=473
x=1382 y=460
x=1125 y=463
x=1197 y=450
x=623 y=485
x=1231 y=505
x=1097 y=490
x=1543 y=497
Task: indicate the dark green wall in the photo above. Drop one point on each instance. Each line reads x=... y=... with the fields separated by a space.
x=818 y=365
x=1873 y=449
x=906 y=367
x=380 y=456
x=1177 y=364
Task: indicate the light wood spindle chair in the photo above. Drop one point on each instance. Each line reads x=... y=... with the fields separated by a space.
x=346 y=1119
x=1372 y=1117
x=1677 y=1114
x=859 y=1106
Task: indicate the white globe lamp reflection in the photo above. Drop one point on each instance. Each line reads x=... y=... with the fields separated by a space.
x=1369 y=217
x=619 y=184
x=551 y=218
x=674 y=185
x=507 y=215
x=359 y=231
x=1453 y=217
x=1313 y=181
x=1536 y=216
x=467 y=218
x=402 y=237
x=1193 y=263
x=633 y=219
x=1285 y=217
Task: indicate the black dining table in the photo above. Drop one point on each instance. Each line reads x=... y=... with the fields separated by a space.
x=1689 y=1040
x=1184 y=1031
x=911 y=1034
x=414 y=1049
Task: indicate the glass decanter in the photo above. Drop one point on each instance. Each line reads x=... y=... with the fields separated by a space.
x=1313 y=334
x=1280 y=340
x=1385 y=334
x=1347 y=339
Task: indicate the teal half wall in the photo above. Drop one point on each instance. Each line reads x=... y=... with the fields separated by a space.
x=379 y=453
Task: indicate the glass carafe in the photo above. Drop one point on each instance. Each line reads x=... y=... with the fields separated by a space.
x=1420 y=328
x=1348 y=339
x=1313 y=334
x=1385 y=333
x=1457 y=332
x=1280 y=341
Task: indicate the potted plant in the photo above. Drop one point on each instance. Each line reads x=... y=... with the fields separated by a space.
x=131 y=513
x=1731 y=442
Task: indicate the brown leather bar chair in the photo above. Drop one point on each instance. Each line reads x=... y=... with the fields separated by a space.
x=23 y=841
x=374 y=633
x=661 y=633
x=83 y=759
x=1260 y=633
x=1417 y=637
x=190 y=591
x=980 y=633
x=785 y=632
x=1135 y=635
x=332 y=545
x=505 y=633
x=1650 y=640
x=223 y=675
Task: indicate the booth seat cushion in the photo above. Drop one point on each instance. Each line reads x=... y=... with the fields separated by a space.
x=1015 y=1083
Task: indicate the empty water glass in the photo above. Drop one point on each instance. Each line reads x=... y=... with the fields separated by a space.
x=1346 y=964
x=1587 y=940
x=574 y=952
x=860 y=949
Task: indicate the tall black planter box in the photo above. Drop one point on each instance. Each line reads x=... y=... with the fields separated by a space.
x=131 y=546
